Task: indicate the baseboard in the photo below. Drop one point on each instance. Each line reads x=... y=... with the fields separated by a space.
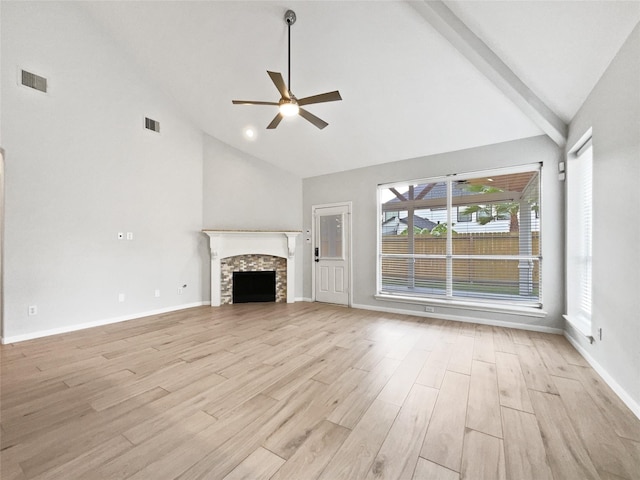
x=303 y=299
x=615 y=386
x=96 y=323
x=459 y=318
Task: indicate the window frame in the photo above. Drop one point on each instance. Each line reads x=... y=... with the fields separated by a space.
x=576 y=315
x=486 y=304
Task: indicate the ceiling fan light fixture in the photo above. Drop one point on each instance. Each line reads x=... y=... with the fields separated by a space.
x=289 y=105
x=289 y=108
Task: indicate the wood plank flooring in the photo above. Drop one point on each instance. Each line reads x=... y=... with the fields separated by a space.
x=308 y=391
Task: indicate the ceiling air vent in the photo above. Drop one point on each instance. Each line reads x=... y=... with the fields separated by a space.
x=151 y=124
x=34 y=81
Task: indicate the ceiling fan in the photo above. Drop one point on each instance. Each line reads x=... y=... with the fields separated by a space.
x=289 y=105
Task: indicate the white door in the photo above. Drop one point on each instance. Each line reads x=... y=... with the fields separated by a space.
x=331 y=253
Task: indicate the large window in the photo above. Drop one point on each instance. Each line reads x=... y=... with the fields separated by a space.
x=578 y=237
x=469 y=238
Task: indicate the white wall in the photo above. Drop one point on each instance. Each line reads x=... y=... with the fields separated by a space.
x=613 y=111
x=80 y=168
x=242 y=192
x=360 y=187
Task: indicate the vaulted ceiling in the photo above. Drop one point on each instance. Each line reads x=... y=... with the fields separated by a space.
x=416 y=78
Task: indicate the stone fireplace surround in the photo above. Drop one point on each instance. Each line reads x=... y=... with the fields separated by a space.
x=235 y=243
x=252 y=263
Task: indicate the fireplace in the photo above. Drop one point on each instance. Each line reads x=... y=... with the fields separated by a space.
x=254 y=287
x=252 y=264
x=244 y=251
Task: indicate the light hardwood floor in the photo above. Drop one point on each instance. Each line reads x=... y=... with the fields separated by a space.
x=308 y=391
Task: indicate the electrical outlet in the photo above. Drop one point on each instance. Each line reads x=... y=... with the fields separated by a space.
x=180 y=290
x=121 y=297
x=430 y=309
x=33 y=310
x=156 y=293
x=129 y=235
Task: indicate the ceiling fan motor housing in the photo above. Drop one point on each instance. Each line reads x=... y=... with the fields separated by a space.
x=290 y=17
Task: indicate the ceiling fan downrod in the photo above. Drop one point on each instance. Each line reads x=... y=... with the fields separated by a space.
x=290 y=19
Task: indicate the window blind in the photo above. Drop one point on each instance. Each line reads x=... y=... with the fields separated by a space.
x=579 y=225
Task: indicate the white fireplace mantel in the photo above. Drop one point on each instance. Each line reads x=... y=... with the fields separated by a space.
x=230 y=243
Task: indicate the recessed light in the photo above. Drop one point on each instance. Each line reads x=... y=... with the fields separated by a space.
x=249 y=133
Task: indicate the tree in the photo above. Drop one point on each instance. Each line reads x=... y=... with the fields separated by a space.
x=416 y=231
x=496 y=211
x=440 y=230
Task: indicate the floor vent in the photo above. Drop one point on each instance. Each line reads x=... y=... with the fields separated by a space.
x=34 y=81
x=150 y=124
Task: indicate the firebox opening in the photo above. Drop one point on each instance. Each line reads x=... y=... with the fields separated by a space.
x=254 y=287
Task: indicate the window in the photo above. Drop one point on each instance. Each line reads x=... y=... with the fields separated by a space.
x=484 y=213
x=491 y=253
x=578 y=237
x=501 y=212
x=462 y=216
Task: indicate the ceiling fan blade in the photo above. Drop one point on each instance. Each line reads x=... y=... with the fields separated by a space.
x=252 y=102
x=312 y=118
x=323 y=97
x=278 y=81
x=275 y=122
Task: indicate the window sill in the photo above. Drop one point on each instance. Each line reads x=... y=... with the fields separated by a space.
x=580 y=325
x=482 y=306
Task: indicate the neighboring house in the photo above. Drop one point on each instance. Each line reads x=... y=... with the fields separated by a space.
x=397 y=226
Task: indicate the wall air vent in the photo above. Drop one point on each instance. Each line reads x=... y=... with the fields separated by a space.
x=151 y=124
x=34 y=81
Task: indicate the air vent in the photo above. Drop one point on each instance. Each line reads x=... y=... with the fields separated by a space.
x=151 y=124
x=34 y=81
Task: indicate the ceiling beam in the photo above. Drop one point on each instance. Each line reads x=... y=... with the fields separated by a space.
x=398 y=194
x=491 y=66
x=472 y=199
